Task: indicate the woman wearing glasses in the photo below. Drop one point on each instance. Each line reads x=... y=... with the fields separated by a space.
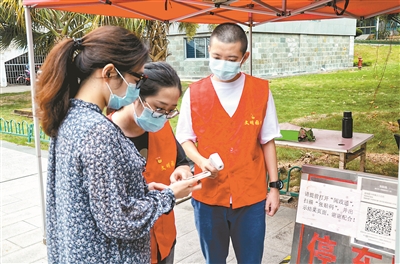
x=99 y=209
x=145 y=123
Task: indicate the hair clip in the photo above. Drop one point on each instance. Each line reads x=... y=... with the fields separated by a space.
x=78 y=43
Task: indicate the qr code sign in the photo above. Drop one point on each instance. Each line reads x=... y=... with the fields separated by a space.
x=379 y=221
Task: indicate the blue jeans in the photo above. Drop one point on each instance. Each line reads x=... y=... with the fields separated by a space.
x=217 y=224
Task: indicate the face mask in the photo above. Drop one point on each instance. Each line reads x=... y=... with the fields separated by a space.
x=147 y=122
x=224 y=70
x=116 y=102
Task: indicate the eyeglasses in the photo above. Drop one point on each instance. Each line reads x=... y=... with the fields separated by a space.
x=159 y=112
x=142 y=78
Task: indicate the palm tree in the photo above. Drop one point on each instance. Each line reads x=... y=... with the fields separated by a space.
x=11 y=25
x=48 y=26
x=153 y=33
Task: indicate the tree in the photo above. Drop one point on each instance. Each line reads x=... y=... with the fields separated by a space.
x=50 y=26
x=10 y=27
x=358 y=32
x=388 y=24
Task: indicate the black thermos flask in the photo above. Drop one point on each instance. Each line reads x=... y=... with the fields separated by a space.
x=347 y=125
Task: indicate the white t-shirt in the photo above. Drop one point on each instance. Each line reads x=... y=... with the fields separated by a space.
x=229 y=95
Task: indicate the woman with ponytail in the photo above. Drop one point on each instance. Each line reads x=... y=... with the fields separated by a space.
x=99 y=208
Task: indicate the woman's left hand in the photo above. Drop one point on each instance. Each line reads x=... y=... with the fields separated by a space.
x=157 y=186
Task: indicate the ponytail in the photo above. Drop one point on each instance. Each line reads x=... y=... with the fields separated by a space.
x=58 y=83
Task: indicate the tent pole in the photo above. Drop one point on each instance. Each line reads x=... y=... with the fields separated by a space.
x=251 y=49
x=31 y=61
x=397 y=251
x=251 y=42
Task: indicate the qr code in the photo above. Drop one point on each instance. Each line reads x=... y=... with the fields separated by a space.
x=379 y=221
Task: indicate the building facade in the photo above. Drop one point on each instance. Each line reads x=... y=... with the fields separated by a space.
x=278 y=49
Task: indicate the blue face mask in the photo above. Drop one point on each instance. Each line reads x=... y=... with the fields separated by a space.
x=224 y=70
x=132 y=93
x=146 y=120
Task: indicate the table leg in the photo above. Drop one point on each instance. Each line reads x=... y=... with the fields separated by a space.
x=363 y=157
x=342 y=161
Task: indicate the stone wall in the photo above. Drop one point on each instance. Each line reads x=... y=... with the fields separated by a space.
x=274 y=54
x=186 y=68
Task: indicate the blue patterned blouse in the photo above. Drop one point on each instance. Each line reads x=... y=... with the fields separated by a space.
x=98 y=206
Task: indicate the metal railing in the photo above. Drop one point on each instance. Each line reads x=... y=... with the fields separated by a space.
x=22 y=129
x=286 y=182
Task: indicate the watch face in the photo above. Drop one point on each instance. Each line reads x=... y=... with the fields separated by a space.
x=280 y=184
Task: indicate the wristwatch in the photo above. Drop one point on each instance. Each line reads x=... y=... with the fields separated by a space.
x=278 y=184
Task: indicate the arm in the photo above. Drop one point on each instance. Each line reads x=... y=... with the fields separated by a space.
x=269 y=131
x=273 y=197
x=120 y=202
x=203 y=162
x=186 y=136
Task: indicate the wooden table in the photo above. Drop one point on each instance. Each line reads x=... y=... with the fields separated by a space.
x=332 y=142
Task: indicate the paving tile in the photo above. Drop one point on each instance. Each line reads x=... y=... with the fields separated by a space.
x=18 y=164
x=19 y=206
x=284 y=215
x=7 y=199
x=15 y=229
x=7 y=247
x=29 y=254
x=30 y=194
x=283 y=238
x=186 y=245
x=36 y=221
x=192 y=258
x=11 y=218
x=231 y=253
x=19 y=185
x=185 y=224
x=273 y=255
x=43 y=260
x=28 y=238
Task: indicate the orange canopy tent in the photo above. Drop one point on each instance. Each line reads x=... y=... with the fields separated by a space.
x=245 y=12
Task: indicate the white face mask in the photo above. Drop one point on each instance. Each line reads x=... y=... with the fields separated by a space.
x=224 y=70
x=147 y=121
x=132 y=93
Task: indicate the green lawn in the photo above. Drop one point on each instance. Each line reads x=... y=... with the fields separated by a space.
x=372 y=94
x=318 y=101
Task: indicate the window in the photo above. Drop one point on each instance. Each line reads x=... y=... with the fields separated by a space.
x=197 y=48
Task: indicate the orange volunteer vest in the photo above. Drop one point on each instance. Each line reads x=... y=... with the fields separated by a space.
x=235 y=139
x=161 y=159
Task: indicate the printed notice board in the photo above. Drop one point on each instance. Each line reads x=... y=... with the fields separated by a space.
x=344 y=217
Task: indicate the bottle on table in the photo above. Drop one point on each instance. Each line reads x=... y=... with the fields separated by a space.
x=347 y=125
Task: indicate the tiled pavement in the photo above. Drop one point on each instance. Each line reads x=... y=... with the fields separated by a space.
x=21 y=219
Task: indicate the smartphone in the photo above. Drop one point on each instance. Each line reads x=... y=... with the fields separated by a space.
x=200 y=175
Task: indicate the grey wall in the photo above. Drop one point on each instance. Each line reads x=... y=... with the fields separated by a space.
x=280 y=49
